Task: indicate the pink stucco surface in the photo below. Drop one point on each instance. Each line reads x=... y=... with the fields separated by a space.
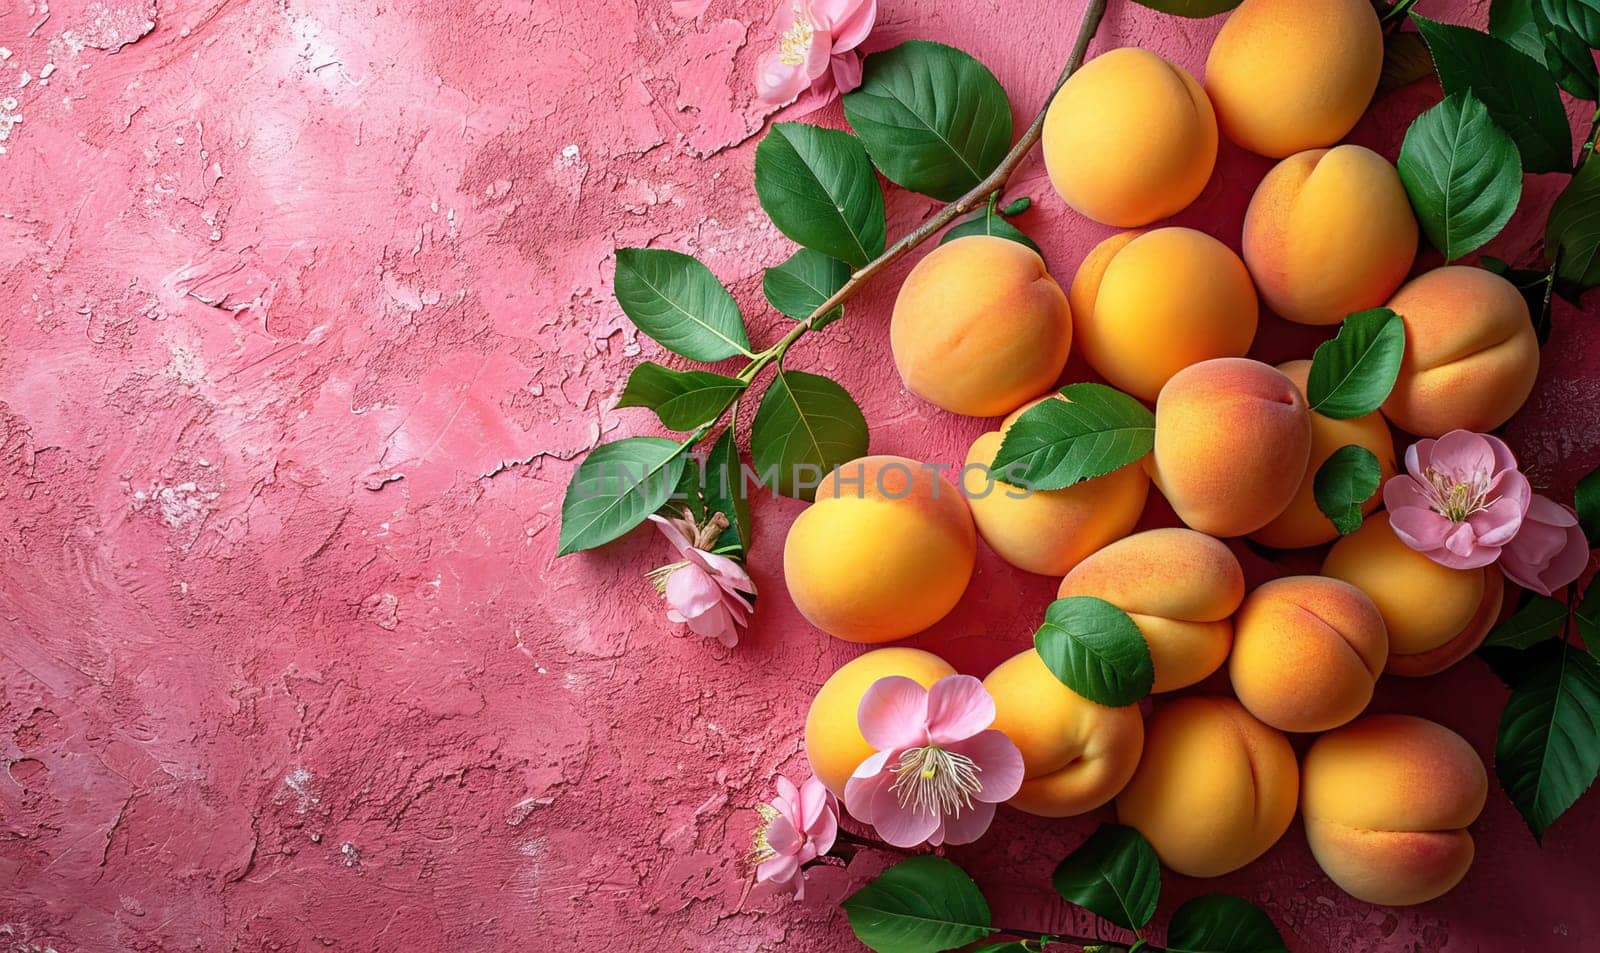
x=306 y=322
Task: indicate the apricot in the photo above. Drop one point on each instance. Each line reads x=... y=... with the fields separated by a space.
x=1329 y=232
x=1435 y=615
x=1179 y=587
x=1146 y=305
x=1129 y=138
x=834 y=743
x=1048 y=531
x=979 y=327
x=1306 y=652
x=1289 y=75
x=1076 y=755
x=1471 y=353
x=1302 y=523
x=1386 y=804
x=1214 y=789
x=886 y=550
x=1233 y=439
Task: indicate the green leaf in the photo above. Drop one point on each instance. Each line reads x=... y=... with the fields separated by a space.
x=1115 y=873
x=683 y=400
x=1541 y=620
x=1016 y=207
x=806 y=426
x=987 y=222
x=804 y=283
x=818 y=187
x=1055 y=443
x=1515 y=22
x=616 y=487
x=1218 y=923
x=921 y=905
x=1534 y=285
x=725 y=491
x=679 y=302
x=1548 y=749
x=1572 y=235
x=1561 y=25
x=934 y=119
x=1581 y=18
x=1586 y=500
x=1587 y=615
x=1462 y=174
x=1194 y=9
x=1096 y=650
x=1519 y=92
x=1351 y=375
x=1344 y=483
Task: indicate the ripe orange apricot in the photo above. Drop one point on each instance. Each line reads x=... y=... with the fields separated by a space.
x=834 y=744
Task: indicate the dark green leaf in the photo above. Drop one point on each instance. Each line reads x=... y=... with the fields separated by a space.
x=1541 y=620
x=806 y=426
x=1115 y=873
x=1056 y=443
x=921 y=905
x=1096 y=650
x=1572 y=235
x=1562 y=24
x=1519 y=92
x=1535 y=287
x=805 y=282
x=1351 y=375
x=683 y=400
x=1344 y=483
x=1586 y=500
x=1194 y=9
x=1218 y=923
x=679 y=302
x=616 y=487
x=1009 y=946
x=986 y=222
x=1515 y=22
x=1587 y=615
x=725 y=491
x=934 y=119
x=818 y=187
x=1548 y=749
x=1580 y=18
x=1461 y=173
x=1405 y=61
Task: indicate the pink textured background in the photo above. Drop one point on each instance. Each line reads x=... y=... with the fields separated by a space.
x=306 y=320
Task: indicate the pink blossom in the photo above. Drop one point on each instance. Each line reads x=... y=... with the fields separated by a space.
x=1549 y=551
x=816 y=49
x=704 y=590
x=1460 y=500
x=796 y=828
x=939 y=769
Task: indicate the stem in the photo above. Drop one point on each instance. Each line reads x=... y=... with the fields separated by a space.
x=1045 y=939
x=1397 y=12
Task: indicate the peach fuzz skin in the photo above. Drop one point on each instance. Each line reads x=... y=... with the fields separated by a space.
x=1386 y=802
x=886 y=550
x=1049 y=531
x=979 y=327
x=1435 y=615
x=1145 y=305
x=1290 y=75
x=1214 y=789
x=833 y=736
x=1233 y=439
x=1307 y=652
x=1179 y=587
x=1329 y=232
x=1129 y=139
x=1302 y=523
x=1076 y=755
x=1471 y=353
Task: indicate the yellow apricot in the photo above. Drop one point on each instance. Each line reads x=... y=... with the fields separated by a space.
x=1076 y=755
x=1329 y=232
x=979 y=327
x=1129 y=138
x=1290 y=75
x=1146 y=305
x=833 y=738
x=886 y=550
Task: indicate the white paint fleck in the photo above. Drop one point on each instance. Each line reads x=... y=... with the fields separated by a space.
x=352 y=856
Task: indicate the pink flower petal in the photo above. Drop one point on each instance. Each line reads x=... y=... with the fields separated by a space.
x=780 y=869
x=813 y=800
x=874 y=763
x=1463 y=455
x=848 y=20
x=1497 y=523
x=717 y=624
x=1418 y=456
x=1401 y=491
x=958 y=707
x=1512 y=485
x=692 y=591
x=782 y=836
x=846 y=71
x=729 y=573
x=999 y=762
x=900 y=826
x=1549 y=551
x=824 y=831
x=1420 y=528
x=674 y=535
x=778 y=83
x=894 y=713
x=1504 y=459
x=788 y=800
x=969 y=825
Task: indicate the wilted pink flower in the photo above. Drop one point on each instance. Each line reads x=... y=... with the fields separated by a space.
x=796 y=828
x=817 y=42
x=704 y=590
x=939 y=769
x=1460 y=500
x=1549 y=551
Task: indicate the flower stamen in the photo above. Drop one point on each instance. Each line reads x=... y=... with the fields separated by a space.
x=764 y=851
x=795 y=43
x=659 y=575
x=1456 y=499
x=933 y=780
